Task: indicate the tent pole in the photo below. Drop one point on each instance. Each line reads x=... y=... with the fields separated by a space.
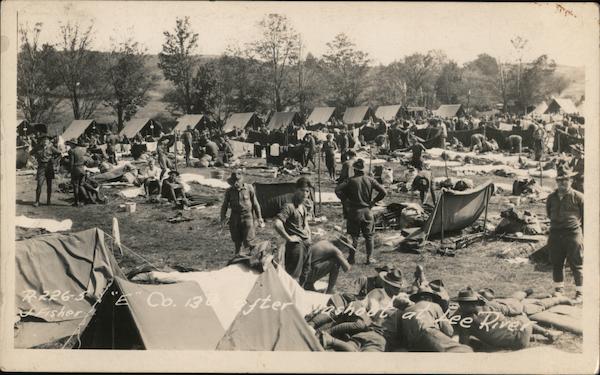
x=435 y=209
x=442 y=200
x=487 y=202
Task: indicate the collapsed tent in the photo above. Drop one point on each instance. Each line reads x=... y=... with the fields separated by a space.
x=272 y=197
x=144 y=126
x=388 y=112
x=70 y=286
x=320 y=115
x=241 y=121
x=356 y=115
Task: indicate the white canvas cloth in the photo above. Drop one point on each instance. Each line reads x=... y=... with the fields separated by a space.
x=48 y=224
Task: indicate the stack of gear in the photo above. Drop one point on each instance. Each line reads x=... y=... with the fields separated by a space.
x=514 y=222
x=400 y=216
x=525 y=186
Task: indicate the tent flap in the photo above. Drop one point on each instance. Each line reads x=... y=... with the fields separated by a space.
x=456 y=210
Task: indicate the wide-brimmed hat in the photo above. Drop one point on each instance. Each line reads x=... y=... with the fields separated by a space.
x=173 y=172
x=564 y=171
x=392 y=277
x=386 y=268
x=424 y=290
x=359 y=165
x=469 y=295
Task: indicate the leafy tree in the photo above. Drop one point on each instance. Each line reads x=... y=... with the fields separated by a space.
x=533 y=84
x=420 y=72
x=129 y=78
x=449 y=84
x=178 y=64
x=37 y=82
x=345 y=69
x=81 y=70
x=278 y=49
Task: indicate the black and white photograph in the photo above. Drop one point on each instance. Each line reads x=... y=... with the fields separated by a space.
x=218 y=180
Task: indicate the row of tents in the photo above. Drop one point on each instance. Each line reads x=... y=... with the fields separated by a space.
x=319 y=116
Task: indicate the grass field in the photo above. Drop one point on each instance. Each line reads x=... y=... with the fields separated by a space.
x=202 y=244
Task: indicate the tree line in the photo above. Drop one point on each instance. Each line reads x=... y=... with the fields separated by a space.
x=270 y=74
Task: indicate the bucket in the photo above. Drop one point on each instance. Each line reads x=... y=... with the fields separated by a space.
x=130 y=207
x=217 y=174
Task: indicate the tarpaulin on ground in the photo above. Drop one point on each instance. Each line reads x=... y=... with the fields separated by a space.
x=456 y=210
x=50 y=225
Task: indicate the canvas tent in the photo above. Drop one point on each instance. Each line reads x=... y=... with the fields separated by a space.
x=144 y=126
x=561 y=105
x=272 y=197
x=96 y=307
x=539 y=109
x=388 y=112
x=77 y=128
x=241 y=121
x=356 y=115
x=450 y=111
x=194 y=121
x=455 y=210
x=320 y=115
x=283 y=119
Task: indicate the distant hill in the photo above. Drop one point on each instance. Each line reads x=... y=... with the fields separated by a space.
x=155 y=106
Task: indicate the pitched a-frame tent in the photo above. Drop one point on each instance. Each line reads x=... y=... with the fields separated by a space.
x=283 y=119
x=320 y=115
x=388 y=112
x=450 y=111
x=144 y=126
x=70 y=288
x=77 y=128
x=356 y=115
x=194 y=121
x=241 y=121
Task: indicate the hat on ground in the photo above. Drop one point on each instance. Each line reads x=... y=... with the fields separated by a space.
x=487 y=293
x=359 y=165
x=387 y=268
x=424 y=291
x=392 y=277
x=469 y=295
x=563 y=172
x=303 y=183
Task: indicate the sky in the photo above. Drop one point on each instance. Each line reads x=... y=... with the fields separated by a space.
x=386 y=31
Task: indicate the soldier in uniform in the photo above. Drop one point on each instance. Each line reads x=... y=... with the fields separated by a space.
x=565 y=210
x=577 y=164
x=241 y=198
x=77 y=159
x=44 y=152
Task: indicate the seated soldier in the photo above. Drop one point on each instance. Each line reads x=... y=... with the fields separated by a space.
x=90 y=190
x=326 y=261
x=488 y=325
x=424 y=326
x=151 y=179
x=172 y=189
